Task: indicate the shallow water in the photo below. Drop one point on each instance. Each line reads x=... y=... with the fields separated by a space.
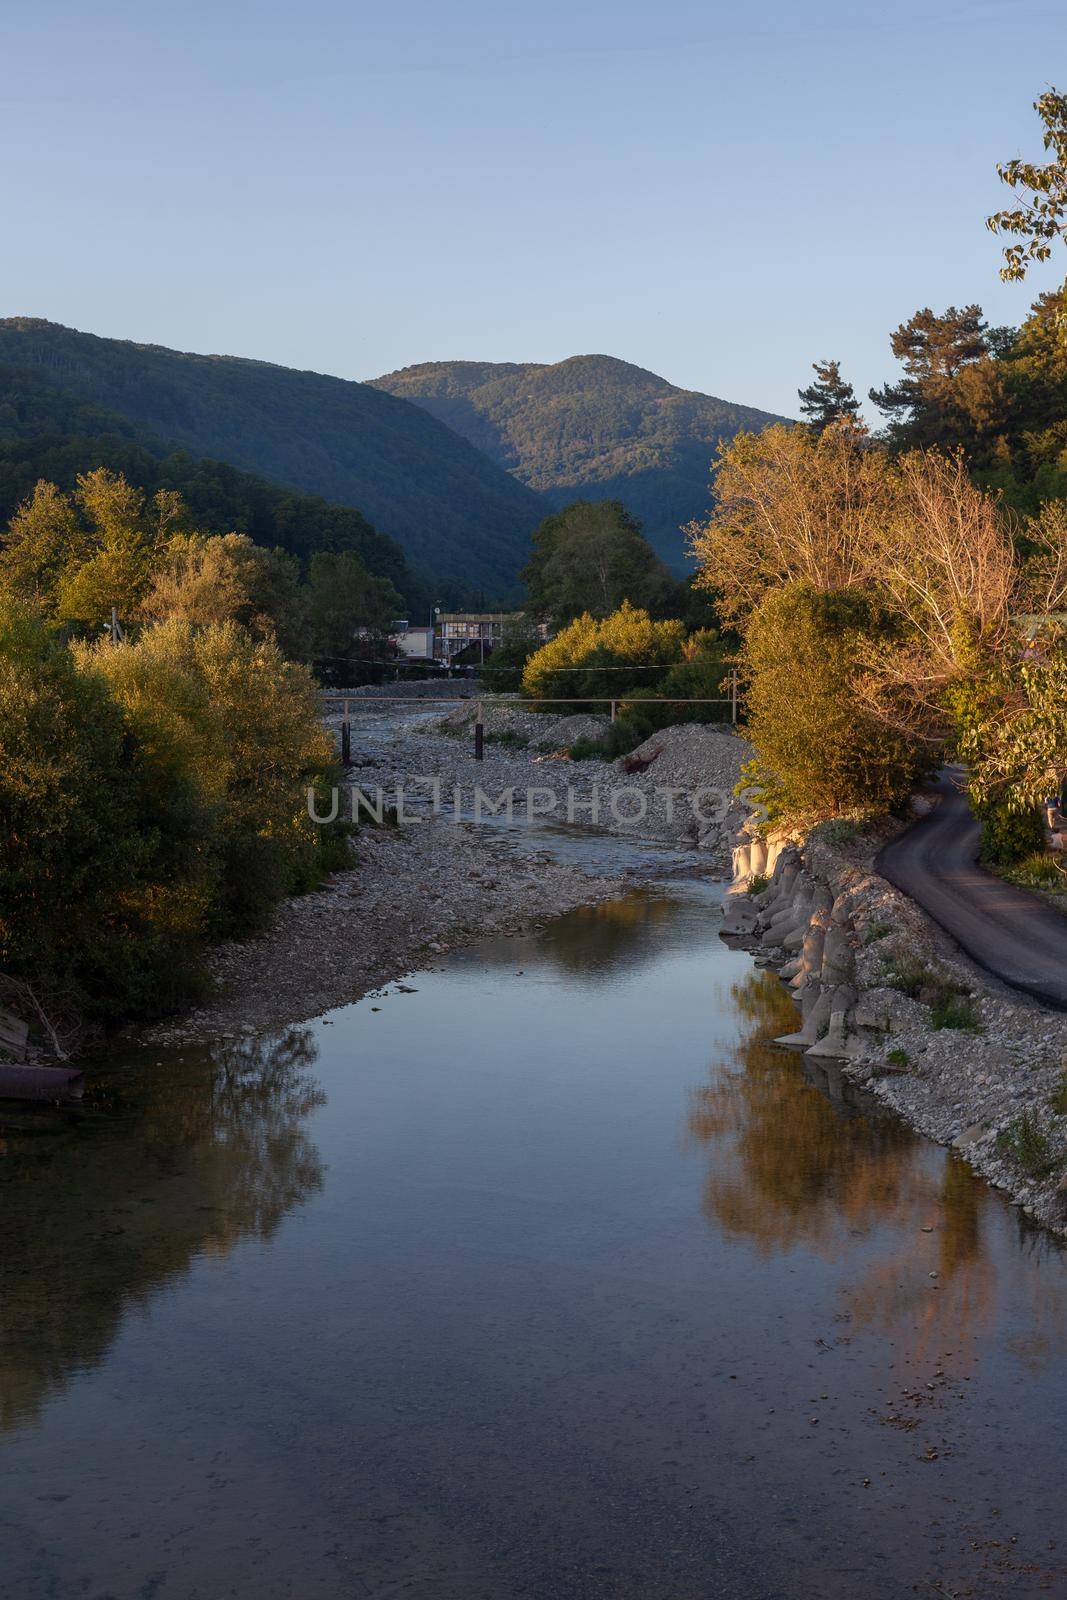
x=542 y=1274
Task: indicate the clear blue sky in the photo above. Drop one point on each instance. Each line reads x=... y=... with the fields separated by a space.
x=720 y=193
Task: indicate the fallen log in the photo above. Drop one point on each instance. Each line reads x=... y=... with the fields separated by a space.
x=40 y=1083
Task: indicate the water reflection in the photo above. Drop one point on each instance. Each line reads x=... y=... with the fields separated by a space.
x=603 y=941
x=801 y=1161
x=105 y=1208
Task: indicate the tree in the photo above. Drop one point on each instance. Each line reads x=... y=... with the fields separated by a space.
x=924 y=406
x=95 y=904
x=604 y=658
x=344 y=602
x=590 y=558
x=791 y=504
x=241 y=726
x=1041 y=219
x=829 y=398
x=823 y=748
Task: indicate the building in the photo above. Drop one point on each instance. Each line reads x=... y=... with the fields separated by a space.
x=480 y=631
x=414 y=642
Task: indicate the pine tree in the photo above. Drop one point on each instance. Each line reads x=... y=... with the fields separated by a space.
x=829 y=398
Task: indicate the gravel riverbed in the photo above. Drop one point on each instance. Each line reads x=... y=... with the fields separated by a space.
x=436 y=880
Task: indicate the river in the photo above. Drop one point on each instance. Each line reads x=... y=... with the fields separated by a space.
x=541 y=1273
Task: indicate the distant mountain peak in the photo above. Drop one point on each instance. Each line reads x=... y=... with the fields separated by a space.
x=590 y=425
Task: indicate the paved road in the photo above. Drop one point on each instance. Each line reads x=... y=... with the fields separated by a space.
x=1009 y=932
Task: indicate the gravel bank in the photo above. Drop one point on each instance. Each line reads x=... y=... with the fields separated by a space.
x=682 y=795
x=414 y=893
x=432 y=883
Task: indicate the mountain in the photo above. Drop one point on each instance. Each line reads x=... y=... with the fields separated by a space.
x=591 y=426
x=455 y=513
x=49 y=433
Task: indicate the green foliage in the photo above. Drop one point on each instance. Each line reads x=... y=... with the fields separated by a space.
x=757 y=883
x=343 y=602
x=98 y=860
x=591 y=558
x=828 y=753
x=1058 y=1098
x=1025 y=1143
x=606 y=658
x=1042 y=217
x=954 y=1011
x=502 y=672
x=829 y=398
x=48 y=434
x=898 y=1058
x=451 y=509
x=591 y=426
x=153 y=797
x=231 y=716
x=1012 y=733
x=1041 y=870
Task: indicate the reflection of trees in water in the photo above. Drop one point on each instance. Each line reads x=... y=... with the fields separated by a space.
x=794 y=1164
x=186 y=1159
x=596 y=940
x=800 y=1166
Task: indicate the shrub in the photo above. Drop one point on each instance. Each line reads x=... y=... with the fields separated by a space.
x=99 y=896
x=806 y=654
x=1040 y=870
x=636 y=651
x=1023 y=1142
x=230 y=715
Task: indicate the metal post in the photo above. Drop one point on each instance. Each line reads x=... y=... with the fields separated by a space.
x=479 y=734
x=613 y=703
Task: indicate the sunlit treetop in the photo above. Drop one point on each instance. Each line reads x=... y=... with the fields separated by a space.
x=1041 y=218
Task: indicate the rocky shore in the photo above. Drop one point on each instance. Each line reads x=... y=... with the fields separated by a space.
x=888 y=998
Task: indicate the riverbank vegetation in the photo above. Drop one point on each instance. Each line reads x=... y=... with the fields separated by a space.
x=901 y=599
x=153 y=787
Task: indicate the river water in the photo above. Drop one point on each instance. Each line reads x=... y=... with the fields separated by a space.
x=539 y=1274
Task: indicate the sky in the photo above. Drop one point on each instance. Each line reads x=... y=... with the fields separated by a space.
x=722 y=194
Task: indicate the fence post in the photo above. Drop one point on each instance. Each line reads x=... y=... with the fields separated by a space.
x=613 y=703
x=733 y=697
x=346 y=739
x=479 y=734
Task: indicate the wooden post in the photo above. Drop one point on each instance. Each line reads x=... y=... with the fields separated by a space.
x=479 y=734
x=613 y=711
x=346 y=738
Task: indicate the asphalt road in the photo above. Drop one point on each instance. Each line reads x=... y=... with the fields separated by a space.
x=1011 y=933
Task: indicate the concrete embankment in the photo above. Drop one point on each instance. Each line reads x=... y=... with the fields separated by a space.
x=884 y=994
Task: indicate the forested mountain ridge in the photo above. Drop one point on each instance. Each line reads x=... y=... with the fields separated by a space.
x=454 y=512
x=49 y=433
x=590 y=426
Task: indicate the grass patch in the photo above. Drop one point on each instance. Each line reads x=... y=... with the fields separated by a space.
x=909 y=976
x=950 y=1005
x=898 y=1058
x=509 y=738
x=1058 y=1098
x=757 y=883
x=954 y=1010
x=838 y=830
x=586 y=749
x=1023 y=1142
x=876 y=931
x=1039 y=870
